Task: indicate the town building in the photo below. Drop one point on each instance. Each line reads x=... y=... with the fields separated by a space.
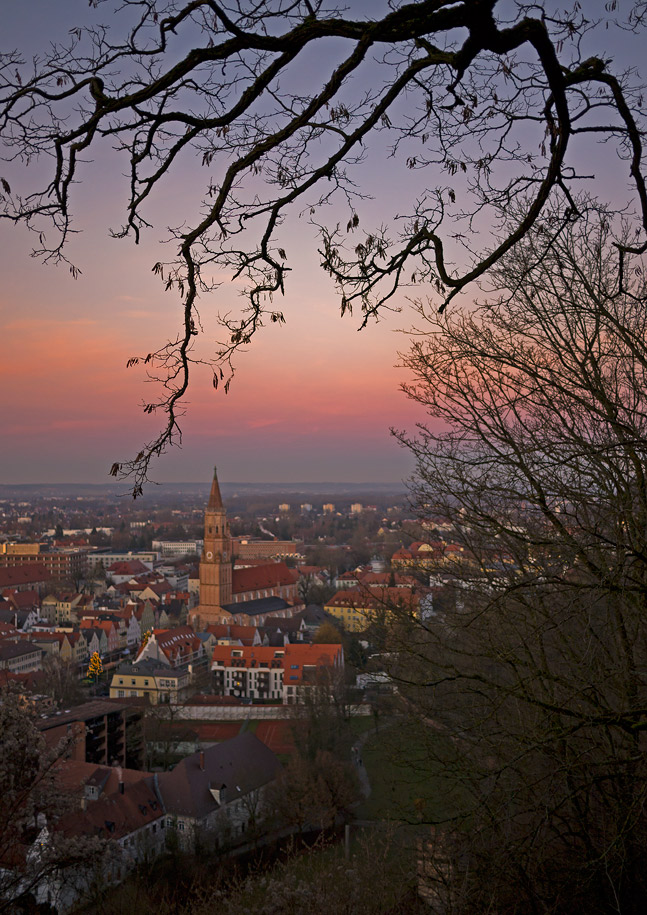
x=171 y=549
x=278 y=673
x=178 y=648
x=19 y=657
x=219 y=790
x=358 y=607
x=24 y=577
x=95 y=731
x=247 y=550
x=150 y=680
x=61 y=564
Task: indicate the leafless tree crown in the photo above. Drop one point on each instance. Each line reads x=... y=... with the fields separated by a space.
x=533 y=665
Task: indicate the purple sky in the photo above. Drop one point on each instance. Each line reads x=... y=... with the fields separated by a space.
x=313 y=400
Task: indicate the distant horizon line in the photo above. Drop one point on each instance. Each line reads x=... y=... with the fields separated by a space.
x=207 y=482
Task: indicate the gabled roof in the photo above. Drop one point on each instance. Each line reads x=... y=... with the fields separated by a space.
x=347 y=576
x=128 y=567
x=242 y=764
x=285 y=624
x=72 y=775
x=118 y=815
x=26 y=573
x=25 y=600
x=374 y=598
x=148 y=667
x=174 y=643
x=236 y=633
x=256 y=578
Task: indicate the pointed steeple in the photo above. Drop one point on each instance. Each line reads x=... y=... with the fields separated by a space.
x=215 y=499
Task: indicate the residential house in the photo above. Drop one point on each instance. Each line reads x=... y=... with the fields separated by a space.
x=357 y=608
x=95 y=637
x=27 y=607
x=23 y=618
x=78 y=645
x=347 y=580
x=58 y=608
x=126 y=570
x=131 y=820
x=173 y=647
x=49 y=642
x=421 y=555
x=232 y=634
x=292 y=629
x=149 y=679
x=218 y=790
x=19 y=657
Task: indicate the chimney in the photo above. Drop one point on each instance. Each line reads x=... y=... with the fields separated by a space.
x=121 y=787
x=202 y=760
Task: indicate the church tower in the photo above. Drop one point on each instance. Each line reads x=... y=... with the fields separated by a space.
x=215 y=562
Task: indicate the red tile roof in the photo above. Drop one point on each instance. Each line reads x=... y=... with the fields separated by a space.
x=255 y=578
x=293 y=659
x=24 y=600
x=128 y=567
x=374 y=598
x=118 y=815
x=26 y=573
x=229 y=631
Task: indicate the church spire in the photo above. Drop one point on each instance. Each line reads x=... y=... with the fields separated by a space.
x=215 y=499
x=215 y=562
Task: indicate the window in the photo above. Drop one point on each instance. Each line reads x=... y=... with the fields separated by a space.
x=121 y=693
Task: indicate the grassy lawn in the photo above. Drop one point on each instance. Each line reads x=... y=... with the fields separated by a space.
x=405 y=785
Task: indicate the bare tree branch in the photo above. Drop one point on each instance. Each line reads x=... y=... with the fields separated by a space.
x=480 y=101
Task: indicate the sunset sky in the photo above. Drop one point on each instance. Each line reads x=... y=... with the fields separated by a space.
x=313 y=400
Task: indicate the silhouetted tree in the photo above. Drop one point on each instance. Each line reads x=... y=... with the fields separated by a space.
x=532 y=678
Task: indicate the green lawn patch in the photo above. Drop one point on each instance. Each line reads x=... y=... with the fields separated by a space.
x=406 y=783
